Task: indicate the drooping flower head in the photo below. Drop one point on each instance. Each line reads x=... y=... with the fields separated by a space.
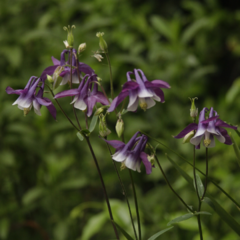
x=140 y=91
x=65 y=68
x=84 y=96
x=207 y=129
x=132 y=153
x=28 y=97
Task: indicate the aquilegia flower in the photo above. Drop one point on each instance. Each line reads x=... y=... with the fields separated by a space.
x=140 y=91
x=65 y=73
x=206 y=129
x=85 y=98
x=132 y=153
x=29 y=98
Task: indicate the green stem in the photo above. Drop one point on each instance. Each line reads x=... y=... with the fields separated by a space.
x=199 y=199
x=206 y=179
x=165 y=177
x=136 y=205
x=103 y=186
x=111 y=79
x=124 y=193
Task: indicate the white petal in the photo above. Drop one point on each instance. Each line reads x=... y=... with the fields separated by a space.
x=74 y=100
x=23 y=103
x=130 y=163
x=36 y=107
x=143 y=93
x=119 y=156
x=80 y=104
x=150 y=102
x=132 y=98
x=65 y=79
x=75 y=79
x=156 y=97
x=196 y=140
x=134 y=106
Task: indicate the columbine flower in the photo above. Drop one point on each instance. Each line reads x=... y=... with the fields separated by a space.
x=132 y=153
x=29 y=98
x=140 y=91
x=84 y=97
x=207 y=129
x=65 y=74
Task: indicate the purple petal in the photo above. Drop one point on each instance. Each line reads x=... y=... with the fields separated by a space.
x=185 y=131
x=147 y=164
x=157 y=84
x=85 y=68
x=67 y=93
x=117 y=100
x=115 y=143
x=49 y=70
x=132 y=98
x=224 y=132
x=143 y=75
x=210 y=119
x=55 y=61
x=221 y=123
x=100 y=97
x=91 y=101
x=129 y=86
x=128 y=76
x=43 y=101
x=9 y=90
x=160 y=94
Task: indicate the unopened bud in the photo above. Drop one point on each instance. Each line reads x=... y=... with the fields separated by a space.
x=193 y=109
x=103 y=130
x=99 y=111
x=82 y=47
x=70 y=38
x=120 y=127
x=188 y=137
x=50 y=79
x=102 y=43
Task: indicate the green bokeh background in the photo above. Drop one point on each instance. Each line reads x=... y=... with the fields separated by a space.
x=48 y=181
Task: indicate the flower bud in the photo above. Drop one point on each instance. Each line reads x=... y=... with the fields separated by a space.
x=103 y=130
x=119 y=127
x=50 y=79
x=99 y=111
x=82 y=47
x=102 y=43
x=151 y=159
x=70 y=38
x=193 y=109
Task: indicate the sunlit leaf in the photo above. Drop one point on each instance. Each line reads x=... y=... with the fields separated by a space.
x=181 y=218
x=153 y=237
x=93 y=123
x=80 y=136
x=200 y=186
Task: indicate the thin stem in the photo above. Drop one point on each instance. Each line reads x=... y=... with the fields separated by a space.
x=165 y=177
x=111 y=79
x=136 y=205
x=199 y=199
x=124 y=193
x=74 y=110
x=206 y=179
x=103 y=186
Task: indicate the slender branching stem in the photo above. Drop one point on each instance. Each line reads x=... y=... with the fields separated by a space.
x=168 y=183
x=206 y=177
x=124 y=193
x=199 y=198
x=136 y=205
x=103 y=186
x=111 y=78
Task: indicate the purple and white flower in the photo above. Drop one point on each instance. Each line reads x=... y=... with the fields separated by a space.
x=206 y=129
x=132 y=153
x=29 y=98
x=85 y=98
x=140 y=91
x=65 y=74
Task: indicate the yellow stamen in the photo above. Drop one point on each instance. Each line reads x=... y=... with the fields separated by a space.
x=123 y=166
x=142 y=103
x=206 y=142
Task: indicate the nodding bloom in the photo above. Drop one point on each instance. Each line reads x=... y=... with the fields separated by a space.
x=206 y=129
x=132 y=153
x=85 y=98
x=65 y=66
x=28 y=98
x=140 y=91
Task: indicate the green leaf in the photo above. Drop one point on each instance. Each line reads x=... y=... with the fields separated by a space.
x=93 y=123
x=159 y=233
x=181 y=218
x=223 y=214
x=200 y=186
x=161 y=26
x=202 y=213
x=94 y=225
x=126 y=235
x=32 y=195
x=80 y=136
x=235 y=147
x=182 y=172
x=85 y=132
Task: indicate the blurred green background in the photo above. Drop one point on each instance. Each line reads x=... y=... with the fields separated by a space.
x=49 y=186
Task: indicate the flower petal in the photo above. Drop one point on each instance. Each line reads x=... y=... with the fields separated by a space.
x=220 y=123
x=147 y=164
x=55 y=61
x=67 y=93
x=130 y=85
x=185 y=131
x=49 y=70
x=224 y=133
x=117 y=100
x=150 y=102
x=9 y=90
